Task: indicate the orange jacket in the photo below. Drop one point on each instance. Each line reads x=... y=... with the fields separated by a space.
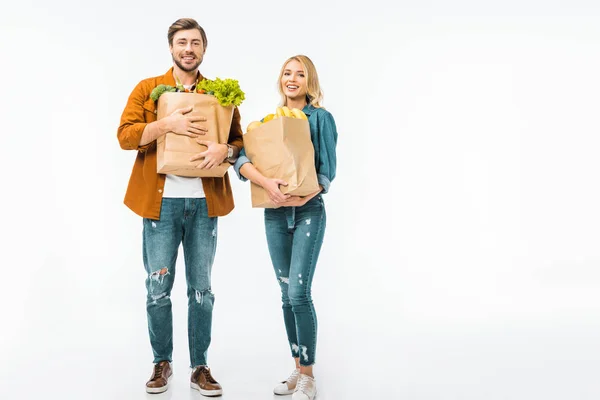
x=144 y=192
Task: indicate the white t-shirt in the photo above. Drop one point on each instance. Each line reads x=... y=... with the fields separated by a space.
x=183 y=186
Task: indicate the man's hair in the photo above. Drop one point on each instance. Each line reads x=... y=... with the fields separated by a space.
x=184 y=24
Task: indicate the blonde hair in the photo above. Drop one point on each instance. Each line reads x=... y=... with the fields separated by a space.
x=314 y=94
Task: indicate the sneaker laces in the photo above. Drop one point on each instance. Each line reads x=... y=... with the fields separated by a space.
x=303 y=384
x=158 y=369
x=208 y=376
x=293 y=376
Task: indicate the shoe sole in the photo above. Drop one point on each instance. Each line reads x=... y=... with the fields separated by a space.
x=160 y=389
x=207 y=393
x=289 y=391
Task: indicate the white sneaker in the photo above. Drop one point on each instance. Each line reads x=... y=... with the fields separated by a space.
x=306 y=388
x=284 y=387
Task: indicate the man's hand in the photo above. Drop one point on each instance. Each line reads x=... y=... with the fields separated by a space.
x=272 y=188
x=213 y=156
x=188 y=125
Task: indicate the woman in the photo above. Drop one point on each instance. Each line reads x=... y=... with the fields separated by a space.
x=295 y=229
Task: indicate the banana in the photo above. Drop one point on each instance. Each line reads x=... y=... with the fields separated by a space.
x=287 y=112
x=252 y=125
x=298 y=114
x=268 y=117
x=279 y=112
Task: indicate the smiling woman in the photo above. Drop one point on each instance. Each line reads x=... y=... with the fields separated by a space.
x=299 y=83
x=295 y=228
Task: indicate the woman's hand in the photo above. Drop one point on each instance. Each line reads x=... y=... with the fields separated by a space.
x=297 y=201
x=272 y=188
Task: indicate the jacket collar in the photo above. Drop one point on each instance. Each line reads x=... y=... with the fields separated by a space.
x=167 y=79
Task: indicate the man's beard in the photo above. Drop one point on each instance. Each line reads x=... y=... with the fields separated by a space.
x=188 y=69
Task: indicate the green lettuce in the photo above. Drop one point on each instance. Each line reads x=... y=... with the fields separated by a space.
x=227 y=91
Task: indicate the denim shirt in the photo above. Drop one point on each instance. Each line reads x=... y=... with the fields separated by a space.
x=323 y=134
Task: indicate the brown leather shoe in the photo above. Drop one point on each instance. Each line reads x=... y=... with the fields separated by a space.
x=159 y=382
x=203 y=381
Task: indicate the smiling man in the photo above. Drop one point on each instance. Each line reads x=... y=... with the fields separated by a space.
x=177 y=210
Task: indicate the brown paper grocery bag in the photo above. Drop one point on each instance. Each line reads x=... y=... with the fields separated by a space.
x=281 y=148
x=174 y=151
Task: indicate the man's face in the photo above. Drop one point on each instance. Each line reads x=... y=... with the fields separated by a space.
x=187 y=49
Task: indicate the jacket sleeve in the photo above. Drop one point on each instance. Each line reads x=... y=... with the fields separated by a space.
x=327 y=137
x=235 y=133
x=133 y=121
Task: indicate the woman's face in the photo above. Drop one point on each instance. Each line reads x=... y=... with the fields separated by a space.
x=293 y=81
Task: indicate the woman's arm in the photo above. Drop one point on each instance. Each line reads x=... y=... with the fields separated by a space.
x=327 y=137
x=270 y=185
x=246 y=171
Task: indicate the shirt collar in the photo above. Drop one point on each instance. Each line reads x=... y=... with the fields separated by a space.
x=308 y=109
x=169 y=78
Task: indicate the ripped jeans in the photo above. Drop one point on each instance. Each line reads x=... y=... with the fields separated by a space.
x=294 y=237
x=182 y=221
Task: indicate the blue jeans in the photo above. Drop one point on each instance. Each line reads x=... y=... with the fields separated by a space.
x=294 y=237
x=181 y=221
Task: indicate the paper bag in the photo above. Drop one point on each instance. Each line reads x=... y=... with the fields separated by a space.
x=174 y=151
x=281 y=148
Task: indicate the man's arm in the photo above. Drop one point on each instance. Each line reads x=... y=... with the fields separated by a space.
x=236 y=136
x=216 y=153
x=135 y=133
x=250 y=172
x=133 y=124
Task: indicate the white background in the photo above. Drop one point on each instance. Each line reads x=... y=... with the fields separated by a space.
x=461 y=254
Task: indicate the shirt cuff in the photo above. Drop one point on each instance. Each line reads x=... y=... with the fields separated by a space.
x=324 y=181
x=238 y=164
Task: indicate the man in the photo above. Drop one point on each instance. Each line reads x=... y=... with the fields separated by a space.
x=177 y=209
